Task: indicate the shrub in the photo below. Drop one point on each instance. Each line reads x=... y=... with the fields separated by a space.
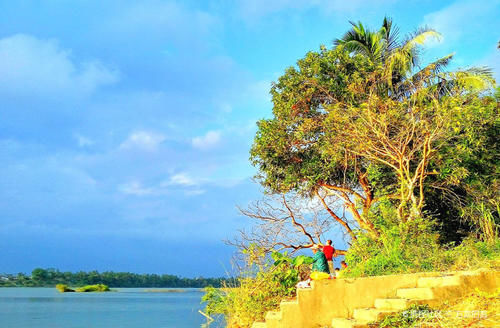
x=473 y=253
x=260 y=288
x=419 y=251
x=93 y=288
x=407 y=247
x=64 y=288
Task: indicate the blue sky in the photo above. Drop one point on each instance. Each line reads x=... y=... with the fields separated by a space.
x=125 y=126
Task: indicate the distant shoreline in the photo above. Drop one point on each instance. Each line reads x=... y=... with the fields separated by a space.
x=51 y=277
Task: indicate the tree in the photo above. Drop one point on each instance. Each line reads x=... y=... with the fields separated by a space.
x=287 y=148
x=383 y=47
x=362 y=124
x=286 y=222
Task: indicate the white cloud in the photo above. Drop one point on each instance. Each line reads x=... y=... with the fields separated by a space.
x=195 y=192
x=143 y=140
x=208 y=141
x=135 y=188
x=35 y=67
x=182 y=179
x=189 y=185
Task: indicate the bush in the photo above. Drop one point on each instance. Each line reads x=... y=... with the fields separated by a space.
x=418 y=251
x=403 y=248
x=64 y=288
x=473 y=253
x=93 y=288
x=260 y=288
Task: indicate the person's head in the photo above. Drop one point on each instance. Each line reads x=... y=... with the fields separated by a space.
x=315 y=248
x=337 y=269
x=329 y=242
x=343 y=264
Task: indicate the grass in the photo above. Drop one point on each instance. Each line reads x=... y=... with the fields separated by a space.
x=368 y=258
x=477 y=309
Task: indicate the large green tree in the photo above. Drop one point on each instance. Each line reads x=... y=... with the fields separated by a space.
x=363 y=123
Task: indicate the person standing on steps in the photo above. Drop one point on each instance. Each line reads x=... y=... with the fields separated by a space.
x=329 y=251
x=320 y=263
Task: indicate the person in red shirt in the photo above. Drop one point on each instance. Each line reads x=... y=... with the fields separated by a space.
x=329 y=251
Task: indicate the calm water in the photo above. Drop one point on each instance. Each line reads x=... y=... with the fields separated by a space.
x=127 y=308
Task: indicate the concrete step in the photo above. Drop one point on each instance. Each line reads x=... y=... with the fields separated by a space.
x=415 y=293
x=259 y=325
x=287 y=307
x=346 y=323
x=304 y=294
x=364 y=316
x=451 y=280
x=291 y=303
x=273 y=315
x=396 y=304
x=432 y=294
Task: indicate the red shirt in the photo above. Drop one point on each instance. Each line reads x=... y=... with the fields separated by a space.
x=328 y=250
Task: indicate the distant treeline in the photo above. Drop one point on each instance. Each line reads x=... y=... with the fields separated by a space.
x=51 y=277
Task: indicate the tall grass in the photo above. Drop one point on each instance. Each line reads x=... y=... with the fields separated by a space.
x=262 y=285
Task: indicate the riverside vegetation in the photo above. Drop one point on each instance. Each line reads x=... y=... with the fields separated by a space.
x=85 y=289
x=51 y=277
x=401 y=156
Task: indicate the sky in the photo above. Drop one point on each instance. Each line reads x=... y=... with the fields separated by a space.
x=125 y=126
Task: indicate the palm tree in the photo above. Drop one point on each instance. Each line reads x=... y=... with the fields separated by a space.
x=399 y=60
x=384 y=44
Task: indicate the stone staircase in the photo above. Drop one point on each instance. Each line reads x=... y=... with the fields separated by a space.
x=429 y=290
x=311 y=307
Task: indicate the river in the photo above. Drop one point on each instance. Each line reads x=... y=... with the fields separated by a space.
x=125 y=308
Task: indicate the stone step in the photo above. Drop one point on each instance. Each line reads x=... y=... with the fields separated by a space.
x=364 y=316
x=415 y=293
x=396 y=304
x=452 y=280
x=304 y=294
x=273 y=315
x=289 y=303
x=259 y=325
x=432 y=294
x=346 y=323
x=289 y=306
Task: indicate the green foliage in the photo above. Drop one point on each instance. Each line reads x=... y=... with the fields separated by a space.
x=257 y=291
x=420 y=251
x=411 y=152
x=408 y=247
x=93 y=288
x=360 y=121
x=287 y=148
x=51 y=277
x=407 y=318
x=64 y=288
x=473 y=253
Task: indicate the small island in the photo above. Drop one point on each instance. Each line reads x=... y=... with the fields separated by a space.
x=85 y=289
